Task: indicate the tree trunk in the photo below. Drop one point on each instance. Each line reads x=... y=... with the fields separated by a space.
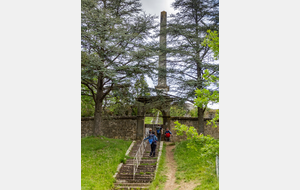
x=97 y=119
x=98 y=108
x=201 y=120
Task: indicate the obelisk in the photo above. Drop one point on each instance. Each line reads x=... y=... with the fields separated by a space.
x=162 y=78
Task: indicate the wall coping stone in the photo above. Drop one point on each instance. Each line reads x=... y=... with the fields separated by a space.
x=109 y=118
x=189 y=118
x=87 y=118
x=135 y=117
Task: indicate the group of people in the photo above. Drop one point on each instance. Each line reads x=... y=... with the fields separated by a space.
x=153 y=139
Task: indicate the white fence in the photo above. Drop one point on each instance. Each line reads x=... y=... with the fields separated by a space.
x=138 y=156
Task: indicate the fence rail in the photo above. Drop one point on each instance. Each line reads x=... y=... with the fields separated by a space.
x=138 y=156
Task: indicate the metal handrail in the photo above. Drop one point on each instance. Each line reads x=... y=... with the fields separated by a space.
x=138 y=156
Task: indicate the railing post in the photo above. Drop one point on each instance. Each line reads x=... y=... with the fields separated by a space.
x=138 y=156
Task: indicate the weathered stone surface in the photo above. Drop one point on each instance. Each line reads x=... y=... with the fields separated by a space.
x=116 y=127
x=126 y=127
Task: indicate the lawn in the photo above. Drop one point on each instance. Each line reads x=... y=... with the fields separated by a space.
x=192 y=166
x=100 y=158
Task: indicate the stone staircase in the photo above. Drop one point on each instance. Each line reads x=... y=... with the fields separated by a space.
x=145 y=171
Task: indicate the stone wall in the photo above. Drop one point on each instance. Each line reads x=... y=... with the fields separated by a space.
x=114 y=127
x=126 y=127
x=86 y=126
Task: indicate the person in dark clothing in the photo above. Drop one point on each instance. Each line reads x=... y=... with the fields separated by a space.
x=150 y=132
x=158 y=131
x=153 y=141
x=168 y=134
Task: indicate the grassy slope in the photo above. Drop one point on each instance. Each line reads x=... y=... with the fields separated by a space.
x=190 y=167
x=100 y=158
x=161 y=178
x=149 y=119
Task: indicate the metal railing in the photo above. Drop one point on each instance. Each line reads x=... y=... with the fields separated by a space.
x=138 y=156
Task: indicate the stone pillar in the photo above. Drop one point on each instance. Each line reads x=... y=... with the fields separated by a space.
x=166 y=121
x=140 y=122
x=162 y=79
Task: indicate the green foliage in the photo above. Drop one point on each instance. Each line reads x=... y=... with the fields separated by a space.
x=204 y=96
x=190 y=58
x=214 y=121
x=154 y=111
x=206 y=145
x=87 y=103
x=148 y=120
x=212 y=40
x=87 y=106
x=194 y=112
x=160 y=178
x=196 y=157
x=192 y=165
x=100 y=158
x=116 y=51
x=177 y=111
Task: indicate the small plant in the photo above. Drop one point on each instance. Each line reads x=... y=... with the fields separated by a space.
x=123 y=160
x=141 y=173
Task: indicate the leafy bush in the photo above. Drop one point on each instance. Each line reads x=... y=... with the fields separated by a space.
x=196 y=157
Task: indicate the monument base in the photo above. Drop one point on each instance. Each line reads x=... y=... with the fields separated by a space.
x=163 y=88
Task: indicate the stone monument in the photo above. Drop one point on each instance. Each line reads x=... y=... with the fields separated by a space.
x=162 y=78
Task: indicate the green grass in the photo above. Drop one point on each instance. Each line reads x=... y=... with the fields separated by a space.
x=149 y=119
x=191 y=167
x=160 y=178
x=100 y=158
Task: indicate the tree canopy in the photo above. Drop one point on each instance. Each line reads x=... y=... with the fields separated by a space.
x=115 y=48
x=188 y=56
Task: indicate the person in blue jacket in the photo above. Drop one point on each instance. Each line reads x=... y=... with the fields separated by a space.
x=153 y=141
x=158 y=131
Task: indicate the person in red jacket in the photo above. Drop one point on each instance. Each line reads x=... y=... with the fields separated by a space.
x=168 y=134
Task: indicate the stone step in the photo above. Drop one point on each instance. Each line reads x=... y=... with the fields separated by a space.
x=131 y=188
x=132 y=184
x=150 y=170
x=137 y=176
x=140 y=166
x=134 y=180
x=142 y=161
x=145 y=171
x=138 y=170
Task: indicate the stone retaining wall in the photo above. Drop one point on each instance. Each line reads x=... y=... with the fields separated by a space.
x=114 y=127
x=126 y=127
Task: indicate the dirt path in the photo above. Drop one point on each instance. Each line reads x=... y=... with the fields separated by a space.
x=171 y=165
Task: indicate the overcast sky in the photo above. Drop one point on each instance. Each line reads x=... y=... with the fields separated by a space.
x=155 y=7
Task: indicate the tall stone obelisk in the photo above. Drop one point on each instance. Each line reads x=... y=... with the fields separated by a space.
x=162 y=78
